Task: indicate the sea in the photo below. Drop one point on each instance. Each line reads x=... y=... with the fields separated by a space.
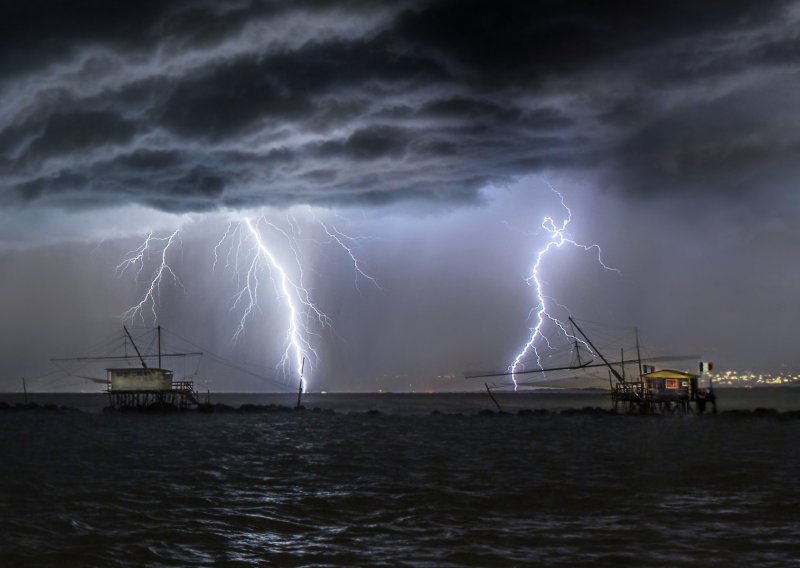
x=422 y=480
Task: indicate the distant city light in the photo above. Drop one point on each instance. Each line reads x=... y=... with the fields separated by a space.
x=750 y=379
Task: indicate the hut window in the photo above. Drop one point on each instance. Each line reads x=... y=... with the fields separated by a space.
x=672 y=383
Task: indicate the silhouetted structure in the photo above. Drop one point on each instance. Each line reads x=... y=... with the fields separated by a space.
x=657 y=392
x=147 y=388
x=647 y=392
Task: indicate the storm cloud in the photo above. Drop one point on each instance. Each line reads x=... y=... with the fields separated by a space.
x=432 y=133
x=198 y=106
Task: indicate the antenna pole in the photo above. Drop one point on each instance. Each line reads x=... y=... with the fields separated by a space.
x=159 y=346
x=25 y=390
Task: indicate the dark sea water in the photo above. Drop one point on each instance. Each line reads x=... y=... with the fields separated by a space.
x=402 y=487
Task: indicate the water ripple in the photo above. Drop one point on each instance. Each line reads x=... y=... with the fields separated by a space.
x=306 y=489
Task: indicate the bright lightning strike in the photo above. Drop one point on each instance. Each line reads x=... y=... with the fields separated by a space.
x=246 y=240
x=136 y=258
x=541 y=313
x=245 y=252
x=297 y=342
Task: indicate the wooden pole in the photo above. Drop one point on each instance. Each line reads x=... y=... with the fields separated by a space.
x=638 y=352
x=300 y=386
x=711 y=396
x=128 y=333
x=577 y=349
x=494 y=400
x=589 y=341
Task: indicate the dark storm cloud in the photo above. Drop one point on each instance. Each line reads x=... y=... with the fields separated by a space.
x=369 y=144
x=191 y=106
x=739 y=141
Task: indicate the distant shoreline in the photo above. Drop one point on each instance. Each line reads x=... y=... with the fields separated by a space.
x=509 y=391
x=779 y=398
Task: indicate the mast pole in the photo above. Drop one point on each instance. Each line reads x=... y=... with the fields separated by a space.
x=128 y=333
x=589 y=341
x=577 y=349
x=25 y=390
x=159 y=346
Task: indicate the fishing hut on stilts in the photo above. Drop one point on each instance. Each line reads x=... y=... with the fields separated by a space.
x=654 y=392
x=148 y=388
x=649 y=391
x=145 y=387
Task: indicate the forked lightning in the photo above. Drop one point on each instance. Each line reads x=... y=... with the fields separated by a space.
x=542 y=312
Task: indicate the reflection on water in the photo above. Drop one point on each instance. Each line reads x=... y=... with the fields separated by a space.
x=400 y=488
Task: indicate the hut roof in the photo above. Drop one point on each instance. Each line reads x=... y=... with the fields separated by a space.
x=670 y=374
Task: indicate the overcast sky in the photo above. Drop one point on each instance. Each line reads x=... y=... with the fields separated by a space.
x=432 y=132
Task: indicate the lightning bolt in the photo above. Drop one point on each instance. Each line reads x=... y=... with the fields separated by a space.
x=342 y=240
x=245 y=252
x=541 y=313
x=304 y=315
x=292 y=293
x=136 y=259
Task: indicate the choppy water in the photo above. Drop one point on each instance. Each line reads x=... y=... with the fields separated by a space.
x=399 y=488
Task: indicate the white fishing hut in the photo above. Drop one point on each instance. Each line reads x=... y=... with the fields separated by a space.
x=148 y=388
